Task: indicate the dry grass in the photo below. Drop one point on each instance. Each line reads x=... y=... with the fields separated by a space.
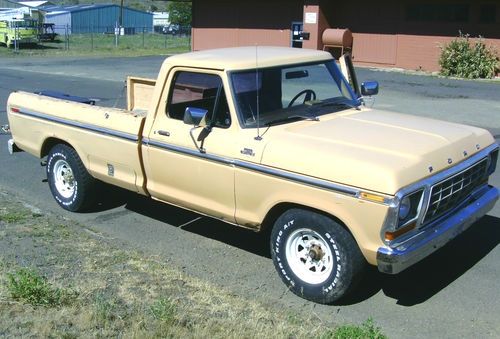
x=120 y=292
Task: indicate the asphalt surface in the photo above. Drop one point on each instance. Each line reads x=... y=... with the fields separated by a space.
x=453 y=293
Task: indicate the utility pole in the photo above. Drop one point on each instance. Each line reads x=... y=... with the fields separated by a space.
x=121 y=15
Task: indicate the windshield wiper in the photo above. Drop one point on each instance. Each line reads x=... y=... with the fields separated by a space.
x=316 y=106
x=292 y=117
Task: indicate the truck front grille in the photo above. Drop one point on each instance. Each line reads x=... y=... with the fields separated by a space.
x=453 y=190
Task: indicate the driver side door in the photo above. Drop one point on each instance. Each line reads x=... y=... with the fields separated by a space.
x=178 y=172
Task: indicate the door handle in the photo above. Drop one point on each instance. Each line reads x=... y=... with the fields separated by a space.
x=164 y=133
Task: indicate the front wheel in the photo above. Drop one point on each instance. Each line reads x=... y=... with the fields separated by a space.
x=316 y=257
x=71 y=185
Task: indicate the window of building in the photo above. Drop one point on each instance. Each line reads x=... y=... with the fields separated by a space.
x=488 y=14
x=199 y=90
x=437 y=12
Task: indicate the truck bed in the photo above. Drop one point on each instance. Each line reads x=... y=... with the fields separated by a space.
x=106 y=139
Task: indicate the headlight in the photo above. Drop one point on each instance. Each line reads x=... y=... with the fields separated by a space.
x=492 y=161
x=409 y=207
x=404 y=208
x=402 y=216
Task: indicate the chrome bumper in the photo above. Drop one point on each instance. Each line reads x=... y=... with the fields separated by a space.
x=394 y=260
x=12 y=147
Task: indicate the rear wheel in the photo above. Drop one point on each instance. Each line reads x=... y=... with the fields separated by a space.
x=71 y=185
x=316 y=257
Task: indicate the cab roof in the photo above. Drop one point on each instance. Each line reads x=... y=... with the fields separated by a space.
x=240 y=58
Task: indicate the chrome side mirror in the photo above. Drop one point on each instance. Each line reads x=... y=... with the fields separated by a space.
x=195 y=116
x=369 y=88
x=198 y=118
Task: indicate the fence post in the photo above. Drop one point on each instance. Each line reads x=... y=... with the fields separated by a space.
x=66 y=37
x=16 y=36
x=92 y=37
x=166 y=40
x=117 y=32
x=68 y=30
x=143 y=34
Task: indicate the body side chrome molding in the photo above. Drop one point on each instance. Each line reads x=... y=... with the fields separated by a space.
x=257 y=168
x=84 y=126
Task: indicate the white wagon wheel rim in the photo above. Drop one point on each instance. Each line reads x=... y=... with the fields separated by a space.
x=309 y=256
x=64 y=179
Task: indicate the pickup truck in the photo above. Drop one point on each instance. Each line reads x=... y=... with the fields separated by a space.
x=275 y=139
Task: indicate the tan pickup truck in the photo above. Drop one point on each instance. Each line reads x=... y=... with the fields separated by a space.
x=278 y=139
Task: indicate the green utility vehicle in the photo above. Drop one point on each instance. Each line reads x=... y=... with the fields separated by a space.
x=18 y=26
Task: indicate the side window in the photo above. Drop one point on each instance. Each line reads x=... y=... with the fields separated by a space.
x=199 y=90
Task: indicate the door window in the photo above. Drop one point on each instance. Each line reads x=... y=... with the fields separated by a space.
x=199 y=90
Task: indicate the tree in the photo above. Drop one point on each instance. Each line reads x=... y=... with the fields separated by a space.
x=180 y=13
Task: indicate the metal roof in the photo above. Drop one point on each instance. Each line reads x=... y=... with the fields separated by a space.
x=36 y=3
x=86 y=7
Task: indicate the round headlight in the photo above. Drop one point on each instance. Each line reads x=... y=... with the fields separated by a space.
x=404 y=208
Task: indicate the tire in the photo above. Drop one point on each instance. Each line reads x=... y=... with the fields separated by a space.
x=71 y=185
x=316 y=257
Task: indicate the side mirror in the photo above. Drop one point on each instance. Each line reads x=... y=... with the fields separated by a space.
x=369 y=88
x=195 y=116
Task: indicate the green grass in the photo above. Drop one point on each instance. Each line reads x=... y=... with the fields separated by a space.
x=104 y=45
x=12 y=217
x=28 y=286
x=164 y=310
x=367 y=330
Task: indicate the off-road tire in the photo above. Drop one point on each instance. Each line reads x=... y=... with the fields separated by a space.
x=71 y=185
x=298 y=239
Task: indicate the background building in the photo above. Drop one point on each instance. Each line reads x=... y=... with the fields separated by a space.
x=97 y=19
x=405 y=33
x=160 y=21
x=37 y=3
x=8 y=4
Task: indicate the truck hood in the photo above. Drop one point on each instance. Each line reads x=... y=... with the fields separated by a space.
x=372 y=149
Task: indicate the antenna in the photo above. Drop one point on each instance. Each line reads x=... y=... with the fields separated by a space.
x=258 y=137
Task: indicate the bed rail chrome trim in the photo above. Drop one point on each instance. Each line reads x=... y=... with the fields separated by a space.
x=82 y=125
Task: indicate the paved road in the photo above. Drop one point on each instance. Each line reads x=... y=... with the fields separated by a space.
x=454 y=293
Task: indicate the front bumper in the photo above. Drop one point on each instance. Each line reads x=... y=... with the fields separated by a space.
x=24 y=40
x=12 y=147
x=394 y=260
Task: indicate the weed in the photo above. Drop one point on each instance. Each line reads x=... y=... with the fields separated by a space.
x=28 y=286
x=108 y=309
x=12 y=217
x=367 y=330
x=164 y=310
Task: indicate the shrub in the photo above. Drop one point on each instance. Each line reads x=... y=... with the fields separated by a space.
x=466 y=59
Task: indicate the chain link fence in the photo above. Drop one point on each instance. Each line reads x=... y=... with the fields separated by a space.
x=93 y=38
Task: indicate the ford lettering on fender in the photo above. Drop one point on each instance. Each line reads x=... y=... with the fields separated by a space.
x=283 y=143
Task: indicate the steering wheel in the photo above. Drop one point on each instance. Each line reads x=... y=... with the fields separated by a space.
x=310 y=95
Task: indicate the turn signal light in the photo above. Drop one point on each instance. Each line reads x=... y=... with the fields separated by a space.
x=390 y=236
x=372 y=197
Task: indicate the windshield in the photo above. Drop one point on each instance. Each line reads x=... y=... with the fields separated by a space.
x=23 y=24
x=292 y=92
